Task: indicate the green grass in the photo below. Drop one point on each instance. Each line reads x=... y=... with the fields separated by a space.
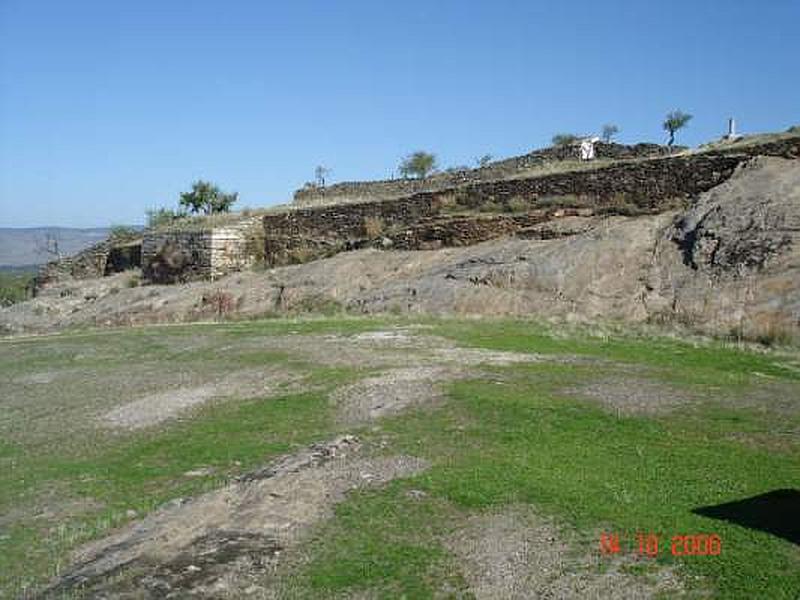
x=510 y=436
x=524 y=441
x=702 y=362
x=142 y=472
x=111 y=473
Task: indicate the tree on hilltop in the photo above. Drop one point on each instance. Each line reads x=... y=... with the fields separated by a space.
x=320 y=173
x=675 y=120
x=419 y=164
x=207 y=198
x=483 y=160
x=609 y=131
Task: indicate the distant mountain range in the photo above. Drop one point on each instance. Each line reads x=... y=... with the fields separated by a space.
x=22 y=247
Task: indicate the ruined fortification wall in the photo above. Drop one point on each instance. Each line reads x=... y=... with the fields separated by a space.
x=647 y=186
x=461 y=214
x=360 y=191
x=186 y=255
x=103 y=258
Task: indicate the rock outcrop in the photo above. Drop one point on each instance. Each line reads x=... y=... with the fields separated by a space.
x=727 y=262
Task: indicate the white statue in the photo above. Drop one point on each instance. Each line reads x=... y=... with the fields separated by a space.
x=587 y=148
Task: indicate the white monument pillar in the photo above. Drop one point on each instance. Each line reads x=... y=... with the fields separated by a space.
x=732 y=135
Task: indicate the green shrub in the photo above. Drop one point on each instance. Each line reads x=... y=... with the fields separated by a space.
x=518 y=204
x=15 y=286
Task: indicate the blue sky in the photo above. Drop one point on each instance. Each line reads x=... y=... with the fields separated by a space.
x=108 y=108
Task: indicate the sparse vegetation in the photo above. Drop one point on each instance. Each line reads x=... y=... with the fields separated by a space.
x=373 y=227
x=564 y=139
x=123 y=232
x=518 y=204
x=673 y=122
x=299 y=255
x=255 y=241
x=220 y=301
x=447 y=201
x=419 y=164
x=483 y=161
x=159 y=217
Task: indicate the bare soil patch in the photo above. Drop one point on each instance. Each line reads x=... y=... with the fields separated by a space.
x=391 y=392
x=779 y=398
x=517 y=554
x=156 y=408
x=633 y=396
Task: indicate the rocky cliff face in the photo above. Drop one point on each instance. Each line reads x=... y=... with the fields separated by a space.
x=733 y=259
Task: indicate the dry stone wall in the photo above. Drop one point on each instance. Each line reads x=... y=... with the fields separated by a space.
x=458 y=215
x=636 y=187
x=103 y=258
x=360 y=191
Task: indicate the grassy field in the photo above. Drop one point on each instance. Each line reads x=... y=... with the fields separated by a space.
x=526 y=434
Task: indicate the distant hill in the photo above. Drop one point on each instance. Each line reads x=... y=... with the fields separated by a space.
x=19 y=246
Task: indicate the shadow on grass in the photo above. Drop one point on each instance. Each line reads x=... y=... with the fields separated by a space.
x=776 y=512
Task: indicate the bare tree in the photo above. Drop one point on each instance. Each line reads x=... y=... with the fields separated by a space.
x=484 y=160
x=320 y=173
x=48 y=245
x=609 y=131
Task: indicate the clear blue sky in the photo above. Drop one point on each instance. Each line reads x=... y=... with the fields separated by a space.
x=108 y=108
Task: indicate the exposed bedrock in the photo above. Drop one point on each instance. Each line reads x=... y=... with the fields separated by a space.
x=729 y=262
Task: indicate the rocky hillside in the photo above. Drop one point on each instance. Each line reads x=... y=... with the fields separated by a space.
x=729 y=263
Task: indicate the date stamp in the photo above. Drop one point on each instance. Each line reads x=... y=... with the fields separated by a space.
x=650 y=544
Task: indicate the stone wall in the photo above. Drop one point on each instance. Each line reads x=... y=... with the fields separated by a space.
x=104 y=258
x=123 y=256
x=360 y=191
x=636 y=187
x=461 y=214
x=170 y=256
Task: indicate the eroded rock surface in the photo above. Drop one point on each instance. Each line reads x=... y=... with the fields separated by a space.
x=227 y=541
x=729 y=261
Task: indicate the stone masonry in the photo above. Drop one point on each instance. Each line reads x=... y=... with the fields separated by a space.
x=634 y=187
x=391 y=189
x=170 y=256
